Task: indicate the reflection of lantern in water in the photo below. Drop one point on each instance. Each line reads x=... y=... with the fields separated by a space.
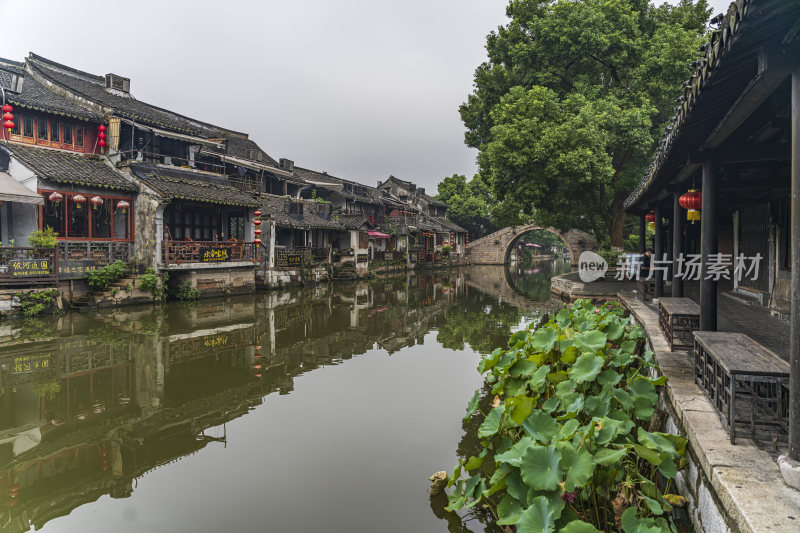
x=257 y=366
x=104 y=458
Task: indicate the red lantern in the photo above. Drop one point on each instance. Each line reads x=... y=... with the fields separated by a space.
x=55 y=197
x=257 y=347
x=8 y=116
x=257 y=222
x=257 y=232
x=650 y=217
x=692 y=201
x=257 y=213
x=79 y=200
x=257 y=241
x=7 y=108
x=96 y=202
x=123 y=205
x=101 y=143
x=101 y=135
x=101 y=128
x=9 y=125
x=257 y=366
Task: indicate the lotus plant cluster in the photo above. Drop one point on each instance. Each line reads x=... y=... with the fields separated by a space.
x=567 y=444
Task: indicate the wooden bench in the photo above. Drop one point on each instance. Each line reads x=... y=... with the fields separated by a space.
x=735 y=370
x=678 y=318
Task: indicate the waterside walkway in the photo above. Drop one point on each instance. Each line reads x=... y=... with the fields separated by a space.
x=731 y=488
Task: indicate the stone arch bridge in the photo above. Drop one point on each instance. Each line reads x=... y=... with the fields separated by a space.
x=496 y=248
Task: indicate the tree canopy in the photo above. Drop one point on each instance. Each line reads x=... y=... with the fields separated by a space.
x=568 y=108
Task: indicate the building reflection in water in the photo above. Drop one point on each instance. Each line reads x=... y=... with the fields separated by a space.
x=91 y=402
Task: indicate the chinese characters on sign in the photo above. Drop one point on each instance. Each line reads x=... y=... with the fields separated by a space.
x=213 y=341
x=215 y=255
x=31 y=268
x=689 y=267
x=75 y=269
x=31 y=363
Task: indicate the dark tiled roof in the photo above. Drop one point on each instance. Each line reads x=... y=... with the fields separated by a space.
x=352 y=221
x=173 y=183
x=448 y=225
x=92 y=87
x=238 y=147
x=276 y=208
x=705 y=96
x=36 y=96
x=69 y=167
x=431 y=200
x=372 y=196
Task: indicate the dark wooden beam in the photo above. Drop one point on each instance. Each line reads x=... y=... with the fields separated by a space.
x=794 y=347
x=756 y=153
x=659 y=249
x=774 y=67
x=642 y=234
x=708 y=245
x=677 y=230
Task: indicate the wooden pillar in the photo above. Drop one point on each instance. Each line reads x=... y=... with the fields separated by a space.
x=794 y=350
x=677 y=222
x=708 y=245
x=642 y=234
x=659 y=249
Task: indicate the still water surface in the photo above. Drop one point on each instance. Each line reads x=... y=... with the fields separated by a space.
x=321 y=409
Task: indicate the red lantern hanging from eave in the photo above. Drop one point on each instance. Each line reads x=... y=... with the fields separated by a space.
x=692 y=201
x=7 y=108
x=257 y=231
x=123 y=205
x=257 y=212
x=8 y=116
x=257 y=222
x=650 y=217
x=101 y=128
x=101 y=143
x=96 y=202
x=79 y=200
x=55 y=197
x=257 y=241
x=9 y=125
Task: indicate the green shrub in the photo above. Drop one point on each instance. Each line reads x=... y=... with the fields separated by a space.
x=446 y=249
x=567 y=444
x=188 y=291
x=46 y=238
x=103 y=277
x=150 y=282
x=35 y=303
x=611 y=257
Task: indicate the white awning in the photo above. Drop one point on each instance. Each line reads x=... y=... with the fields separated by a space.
x=13 y=191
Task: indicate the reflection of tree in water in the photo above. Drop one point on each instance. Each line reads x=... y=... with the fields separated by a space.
x=532 y=279
x=481 y=321
x=469 y=445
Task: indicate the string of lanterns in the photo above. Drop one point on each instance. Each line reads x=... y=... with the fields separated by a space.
x=101 y=135
x=257 y=223
x=8 y=118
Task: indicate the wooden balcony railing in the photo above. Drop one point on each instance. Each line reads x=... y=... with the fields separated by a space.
x=179 y=252
x=385 y=255
x=28 y=266
x=101 y=252
x=320 y=254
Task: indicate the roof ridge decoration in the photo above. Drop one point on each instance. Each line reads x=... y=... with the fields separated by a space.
x=721 y=41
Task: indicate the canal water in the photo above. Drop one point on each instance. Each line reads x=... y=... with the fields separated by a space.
x=316 y=409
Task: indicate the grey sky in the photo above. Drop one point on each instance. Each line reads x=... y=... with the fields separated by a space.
x=360 y=88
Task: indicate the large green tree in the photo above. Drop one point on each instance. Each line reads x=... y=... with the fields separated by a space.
x=469 y=203
x=568 y=108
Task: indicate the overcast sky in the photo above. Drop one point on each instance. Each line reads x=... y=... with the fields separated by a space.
x=359 y=88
